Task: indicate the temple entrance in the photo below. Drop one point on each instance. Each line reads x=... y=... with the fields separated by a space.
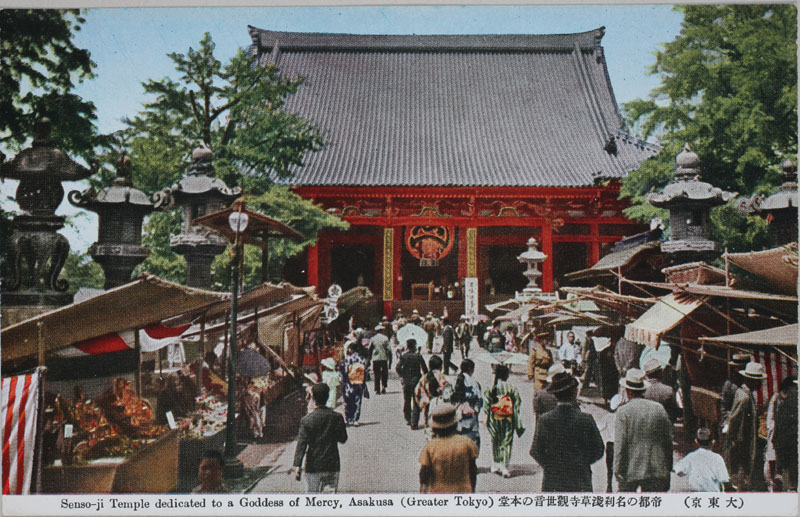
x=568 y=257
x=505 y=271
x=352 y=266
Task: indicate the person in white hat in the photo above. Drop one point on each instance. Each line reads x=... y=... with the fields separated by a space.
x=659 y=392
x=642 y=439
x=740 y=432
x=738 y=362
x=381 y=359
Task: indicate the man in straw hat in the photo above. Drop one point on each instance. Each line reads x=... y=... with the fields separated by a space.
x=659 y=392
x=447 y=463
x=738 y=362
x=740 y=432
x=544 y=400
x=642 y=439
x=381 y=359
x=566 y=441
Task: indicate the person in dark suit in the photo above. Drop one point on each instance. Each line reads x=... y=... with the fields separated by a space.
x=448 y=343
x=566 y=441
x=320 y=434
x=410 y=368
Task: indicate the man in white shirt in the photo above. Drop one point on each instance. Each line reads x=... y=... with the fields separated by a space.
x=569 y=353
x=706 y=469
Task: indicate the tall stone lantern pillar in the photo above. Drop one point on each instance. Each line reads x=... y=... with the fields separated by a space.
x=121 y=209
x=779 y=209
x=35 y=252
x=200 y=193
x=689 y=201
x=531 y=258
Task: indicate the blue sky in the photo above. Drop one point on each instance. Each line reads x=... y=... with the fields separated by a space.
x=131 y=46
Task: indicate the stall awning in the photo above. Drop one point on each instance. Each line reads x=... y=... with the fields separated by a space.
x=778 y=336
x=138 y=304
x=777 y=266
x=613 y=261
x=659 y=319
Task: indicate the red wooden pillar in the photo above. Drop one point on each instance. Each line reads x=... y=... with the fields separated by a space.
x=312 y=267
x=547 y=249
x=594 y=245
x=324 y=264
x=462 y=253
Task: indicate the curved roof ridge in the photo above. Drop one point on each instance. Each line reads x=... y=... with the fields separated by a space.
x=588 y=40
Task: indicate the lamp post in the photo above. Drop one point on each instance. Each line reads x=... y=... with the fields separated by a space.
x=240 y=226
x=233 y=467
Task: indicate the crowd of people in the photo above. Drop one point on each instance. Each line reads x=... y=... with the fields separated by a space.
x=636 y=436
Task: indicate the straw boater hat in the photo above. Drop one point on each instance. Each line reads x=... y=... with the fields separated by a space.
x=739 y=360
x=634 y=380
x=651 y=366
x=562 y=382
x=328 y=363
x=754 y=371
x=415 y=311
x=553 y=370
x=379 y=327
x=443 y=416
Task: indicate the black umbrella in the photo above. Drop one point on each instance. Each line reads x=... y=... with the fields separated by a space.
x=252 y=364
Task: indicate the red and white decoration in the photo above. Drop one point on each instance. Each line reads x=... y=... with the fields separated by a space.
x=19 y=412
x=151 y=338
x=778 y=367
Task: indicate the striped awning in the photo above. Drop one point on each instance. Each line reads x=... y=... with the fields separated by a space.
x=659 y=319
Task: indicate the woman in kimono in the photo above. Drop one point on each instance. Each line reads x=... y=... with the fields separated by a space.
x=429 y=386
x=354 y=374
x=468 y=397
x=501 y=404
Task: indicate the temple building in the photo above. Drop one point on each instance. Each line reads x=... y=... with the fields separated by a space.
x=447 y=153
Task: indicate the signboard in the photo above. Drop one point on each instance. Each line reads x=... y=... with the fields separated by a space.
x=471 y=297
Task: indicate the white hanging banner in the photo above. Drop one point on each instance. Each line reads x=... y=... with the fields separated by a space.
x=471 y=297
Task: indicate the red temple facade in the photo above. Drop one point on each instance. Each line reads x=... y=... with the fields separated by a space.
x=447 y=153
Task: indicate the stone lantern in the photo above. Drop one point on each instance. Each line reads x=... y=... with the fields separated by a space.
x=531 y=258
x=200 y=193
x=35 y=251
x=779 y=209
x=120 y=209
x=689 y=201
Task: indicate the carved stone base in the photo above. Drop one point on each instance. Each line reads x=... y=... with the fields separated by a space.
x=118 y=261
x=20 y=311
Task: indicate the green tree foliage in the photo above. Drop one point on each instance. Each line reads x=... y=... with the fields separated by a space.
x=280 y=203
x=39 y=67
x=236 y=110
x=729 y=89
x=81 y=271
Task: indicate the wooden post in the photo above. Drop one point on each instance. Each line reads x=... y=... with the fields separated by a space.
x=40 y=344
x=225 y=346
x=265 y=261
x=594 y=244
x=138 y=348
x=203 y=335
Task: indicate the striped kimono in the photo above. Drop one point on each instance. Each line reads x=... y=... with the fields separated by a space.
x=502 y=428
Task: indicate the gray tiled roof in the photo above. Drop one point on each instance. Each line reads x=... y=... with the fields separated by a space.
x=477 y=110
